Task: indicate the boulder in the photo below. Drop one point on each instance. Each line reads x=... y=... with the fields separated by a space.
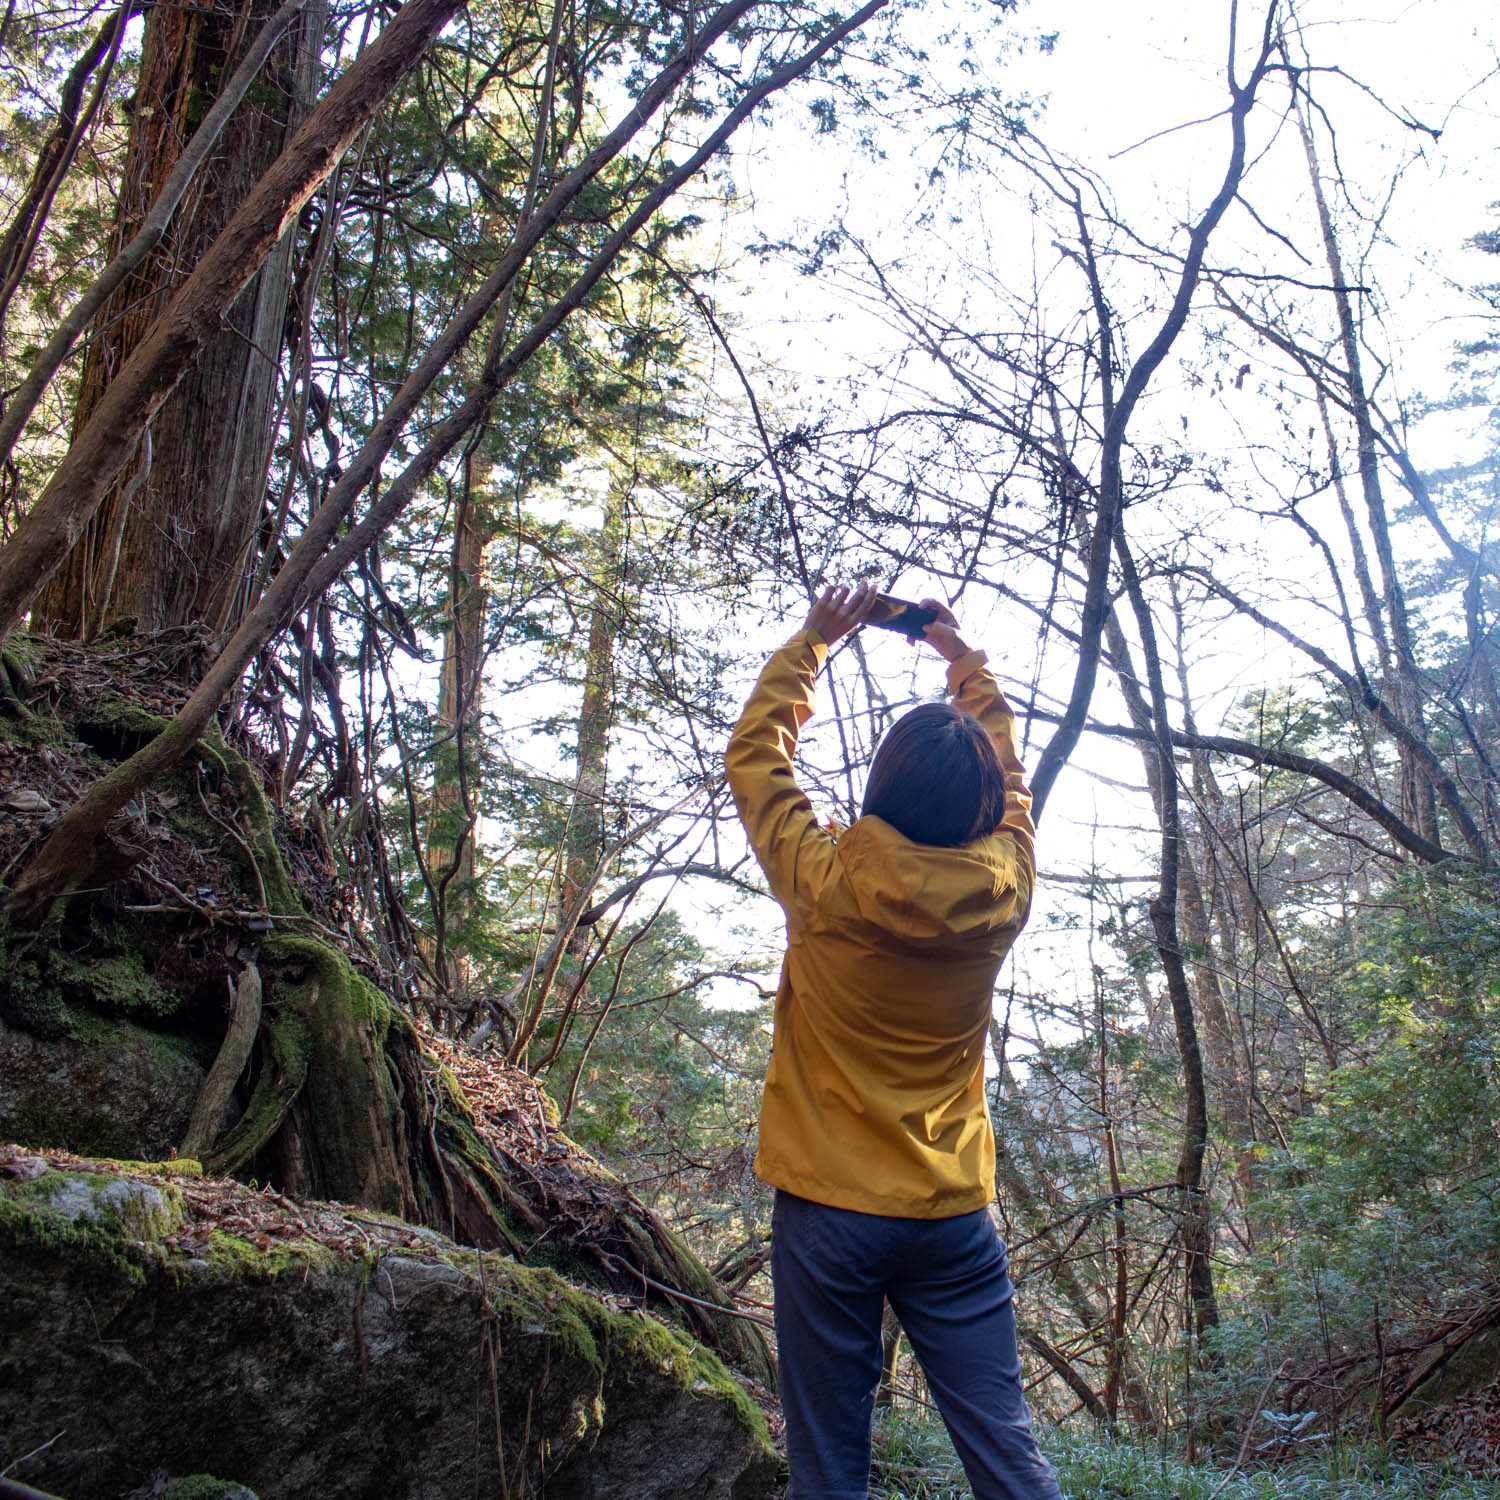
x=111 y=1089
x=159 y=1324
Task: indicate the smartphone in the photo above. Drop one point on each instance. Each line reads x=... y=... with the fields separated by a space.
x=900 y=615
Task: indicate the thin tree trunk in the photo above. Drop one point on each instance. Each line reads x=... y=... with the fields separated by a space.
x=451 y=850
x=1195 y=1227
x=1119 y=414
x=1405 y=687
x=1119 y=1297
x=1220 y=1031
x=451 y=819
x=1369 y=599
x=29 y=215
x=596 y=713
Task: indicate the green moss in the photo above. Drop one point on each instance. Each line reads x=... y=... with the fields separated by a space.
x=695 y=1369
x=533 y=1299
x=467 y=1153
x=104 y=1215
x=183 y=1167
x=325 y=1030
x=582 y=1360
x=128 y=724
x=20 y=722
x=283 y=1072
x=51 y=992
x=20 y=653
x=117 y=1220
x=240 y=1259
x=205 y=1487
x=120 y=983
x=126 y=727
x=281 y=892
x=59 y=1106
x=110 y=1204
x=30 y=1230
x=27 y=994
x=668 y=1258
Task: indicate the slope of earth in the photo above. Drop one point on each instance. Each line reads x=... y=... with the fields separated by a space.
x=205 y=994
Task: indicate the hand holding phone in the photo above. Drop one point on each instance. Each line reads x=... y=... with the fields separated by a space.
x=837 y=611
x=902 y=616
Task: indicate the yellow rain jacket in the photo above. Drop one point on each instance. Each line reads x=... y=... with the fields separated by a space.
x=874 y=1099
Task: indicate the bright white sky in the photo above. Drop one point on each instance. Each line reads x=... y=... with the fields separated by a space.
x=1121 y=73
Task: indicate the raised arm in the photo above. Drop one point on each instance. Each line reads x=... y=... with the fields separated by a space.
x=976 y=692
x=792 y=849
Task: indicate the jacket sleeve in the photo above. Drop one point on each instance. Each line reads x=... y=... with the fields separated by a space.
x=793 y=850
x=975 y=691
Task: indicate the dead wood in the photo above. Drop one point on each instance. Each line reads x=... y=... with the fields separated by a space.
x=230 y=1062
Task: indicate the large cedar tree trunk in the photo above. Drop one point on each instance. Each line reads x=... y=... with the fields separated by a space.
x=170 y=544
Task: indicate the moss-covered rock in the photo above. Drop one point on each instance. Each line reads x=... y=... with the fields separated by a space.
x=112 y=1088
x=119 y=983
x=1472 y=1366
x=164 y=1324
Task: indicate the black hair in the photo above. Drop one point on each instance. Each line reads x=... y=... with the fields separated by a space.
x=937 y=778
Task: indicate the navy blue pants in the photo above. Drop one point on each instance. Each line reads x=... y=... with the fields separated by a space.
x=949 y=1283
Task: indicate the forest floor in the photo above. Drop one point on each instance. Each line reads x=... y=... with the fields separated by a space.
x=915 y=1461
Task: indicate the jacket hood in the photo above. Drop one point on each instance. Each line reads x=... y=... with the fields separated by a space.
x=928 y=896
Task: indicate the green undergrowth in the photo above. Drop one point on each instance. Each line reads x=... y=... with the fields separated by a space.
x=914 y=1460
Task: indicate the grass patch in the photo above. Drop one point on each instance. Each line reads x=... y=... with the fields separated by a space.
x=915 y=1461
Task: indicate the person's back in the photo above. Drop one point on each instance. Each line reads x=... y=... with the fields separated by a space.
x=874 y=1125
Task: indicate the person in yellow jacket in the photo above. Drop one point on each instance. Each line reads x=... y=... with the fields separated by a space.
x=874 y=1129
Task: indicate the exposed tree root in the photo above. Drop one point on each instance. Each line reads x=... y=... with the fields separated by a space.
x=227 y=1067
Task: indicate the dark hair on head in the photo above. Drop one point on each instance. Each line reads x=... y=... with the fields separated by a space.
x=937 y=778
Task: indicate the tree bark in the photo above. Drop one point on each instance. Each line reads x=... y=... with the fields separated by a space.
x=133 y=253
x=105 y=444
x=233 y=1054
x=1194 y=1225
x=175 y=553
x=585 y=839
x=451 y=819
